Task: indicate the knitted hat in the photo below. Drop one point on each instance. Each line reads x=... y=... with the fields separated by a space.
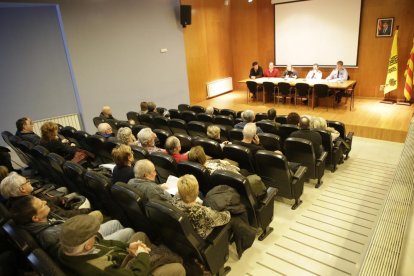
x=78 y=229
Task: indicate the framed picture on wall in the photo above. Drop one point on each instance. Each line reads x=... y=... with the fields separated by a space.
x=384 y=26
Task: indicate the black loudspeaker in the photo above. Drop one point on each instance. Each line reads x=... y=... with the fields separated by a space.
x=185 y=15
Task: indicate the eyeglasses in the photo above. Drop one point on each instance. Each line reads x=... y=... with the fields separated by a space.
x=27 y=182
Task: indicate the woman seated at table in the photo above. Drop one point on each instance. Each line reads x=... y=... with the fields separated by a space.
x=203 y=218
x=290 y=72
x=271 y=72
x=123 y=159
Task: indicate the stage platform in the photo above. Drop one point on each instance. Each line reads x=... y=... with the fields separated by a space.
x=369 y=118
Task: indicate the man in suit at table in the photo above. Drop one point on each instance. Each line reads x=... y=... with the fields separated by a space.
x=338 y=74
x=256 y=71
x=315 y=73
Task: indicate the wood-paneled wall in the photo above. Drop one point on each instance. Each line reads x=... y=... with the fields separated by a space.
x=224 y=40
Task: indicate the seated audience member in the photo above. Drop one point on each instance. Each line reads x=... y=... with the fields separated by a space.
x=124 y=136
x=250 y=138
x=271 y=72
x=51 y=142
x=338 y=74
x=173 y=148
x=213 y=132
x=293 y=118
x=105 y=130
x=320 y=123
x=83 y=253
x=256 y=71
x=203 y=219
x=210 y=110
x=107 y=113
x=271 y=118
x=15 y=186
x=5 y=158
x=248 y=116
x=25 y=130
x=152 y=109
x=123 y=159
x=144 y=182
x=306 y=133
x=147 y=139
x=315 y=73
x=197 y=154
x=144 y=108
x=290 y=72
x=31 y=213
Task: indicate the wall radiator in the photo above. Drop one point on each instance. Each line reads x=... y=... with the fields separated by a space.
x=64 y=120
x=218 y=87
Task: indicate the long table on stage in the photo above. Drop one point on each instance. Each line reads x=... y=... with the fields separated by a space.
x=337 y=85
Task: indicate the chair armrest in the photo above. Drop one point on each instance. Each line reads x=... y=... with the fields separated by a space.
x=271 y=193
x=336 y=144
x=349 y=136
x=300 y=172
x=322 y=158
x=218 y=233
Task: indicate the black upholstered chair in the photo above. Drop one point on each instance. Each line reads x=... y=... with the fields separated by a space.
x=75 y=173
x=347 y=137
x=13 y=141
x=19 y=237
x=302 y=90
x=301 y=151
x=269 y=89
x=183 y=107
x=199 y=171
x=235 y=134
x=267 y=127
x=274 y=170
x=281 y=119
x=240 y=154
x=285 y=131
x=197 y=129
x=81 y=136
x=39 y=154
x=98 y=120
x=161 y=122
x=260 y=212
x=137 y=128
x=188 y=116
x=224 y=120
x=174 y=113
x=162 y=136
x=270 y=141
x=228 y=112
x=260 y=116
x=253 y=88
x=211 y=147
x=197 y=109
x=177 y=126
x=97 y=146
x=56 y=162
x=283 y=91
x=40 y=261
x=146 y=120
x=165 y=165
x=68 y=132
x=132 y=115
x=139 y=152
x=176 y=232
x=185 y=141
x=206 y=118
x=322 y=91
x=334 y=151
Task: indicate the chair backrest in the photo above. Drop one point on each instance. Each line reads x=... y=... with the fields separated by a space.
x=137 y=128
x=20 y=237
x=228 y=112
x=283 y=88
x=339 y=126
x=236 y=134
x=74 y=173
x=270 y=141
x=267 y=127
x=162 y=136
x=274 y=170
x=302 y=89
x=252 y=86
x=165 y=164
x=43 y=264
x=196 y=128
x=57 y=161
x=281 y=119
x=286 y=130
x=211 y=148
x=269 y=87
x=241 y=155
x=139 y=152
x=161 y=110
x=25 y=146
x=132 y=115
x=97 y=145
x=321 y=90
x=177 y=126
x=119 y=124
x=68 y=131
x=260 y=116
x=81 y=136
x=161 y=122
x=301 y=151
x=199 y=171
x=188 y=115
x=97 y=121
x=183 y=107
x=146 y=120
x=197 y=109
x=174 y=113
x=204 y=117
x=185 y=141
x=224 y=120
x=13 y=141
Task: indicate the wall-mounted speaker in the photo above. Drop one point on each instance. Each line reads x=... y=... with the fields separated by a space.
x=185 y=15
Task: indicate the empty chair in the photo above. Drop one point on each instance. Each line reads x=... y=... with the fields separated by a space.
x=228 y=112
x=98 y=120
x=174 y=113
x=283 y=91
x=74 y=173
x=68 y=132
x=269 y=89
x=12 y=141
x=81 y=136
x=183 y=107
x=347 y=137
x=211 y=148
x=146 y=120
x=240 y=154
x=188 y=116
x=199 y=171
x=223 y=120
x=132 y=115
x=197 y=129
x=204 y=117
x=132 y=204
x=162 y=136
x=270 y=141
x=165 y=165
x=56 y=161
x=274 y=170
x=97 y=146
x=177 y=126
x=137 y=128
x=235 y=134
x=302 y=90
x=301 y=151
x=119 y=124
x=161 y=110
x=44 y=265
x=285 y=131
x=39 y=154
x=267 y=127
x=161 y=122
x=281 y=119
x=139 y=152
x=260 y=116
x=176 y=232
x=260 y=212
x=185 y=141
x=323 y=91
x=197 y=109
x=252 y=87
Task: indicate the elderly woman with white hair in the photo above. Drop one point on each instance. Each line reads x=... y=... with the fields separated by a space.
x=250 y=138
x=125 y=137
x=248 y=116
x=320 y=123
x=147 y=139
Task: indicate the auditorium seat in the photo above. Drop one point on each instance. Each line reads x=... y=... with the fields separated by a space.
x=269 y=89
x=240 y=154
x=235 y=134
x=174 y=113
x=334 y=152
x=206 y=118
x=183 y=107
x=197 y=129
x=165 y=165
x=162 y=136
x=177 y=126
x=139 y=152
x=43 y=264
x=132 y=115
x=137 y=128
x=285 y=131
x=274 y=170
x=267 y=127
x=161 y=122
x=284 y=91
x=97 y=146
x=281 y=119
x=211 y=147
x=197 y=109
x=188 y=116
x=340 y=127
x=199 y=171
x=260 y=116
x=97 y=121
x=146 y=120
x=228 y=112
x=68 y=132
x=270 y=141
x=302 y=90
x=75 y=172
x=322 y=91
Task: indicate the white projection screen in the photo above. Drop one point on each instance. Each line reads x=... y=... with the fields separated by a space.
x=316 y=31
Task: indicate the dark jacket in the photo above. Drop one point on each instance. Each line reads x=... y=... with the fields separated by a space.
x=107 y=118
x=312 y=136
x=58 y=147
x=257 y=74
x=46 y=234
x=31 y=137
x=123 y=174
x=149 y=190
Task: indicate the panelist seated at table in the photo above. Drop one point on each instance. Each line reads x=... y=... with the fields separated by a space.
x=315 y=73
x=339 y=73
x=271 y=72
x=256 y=71
x=290 y=72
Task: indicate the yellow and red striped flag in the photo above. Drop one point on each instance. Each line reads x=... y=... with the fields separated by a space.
x=408 y=87
x=391 y=82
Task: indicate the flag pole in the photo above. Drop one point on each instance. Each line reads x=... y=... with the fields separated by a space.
x=391 y=82
x=405 y=102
